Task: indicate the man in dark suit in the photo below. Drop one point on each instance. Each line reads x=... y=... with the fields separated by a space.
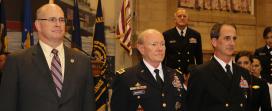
x=265 y=55
x=219 y=85
x=183 y=44
x=150 y=85
x=48 y=76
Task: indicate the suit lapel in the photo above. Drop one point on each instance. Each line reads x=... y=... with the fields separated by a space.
x=220 y=74
x=68 y=75
x=41 y=64
x=167 y=78
x=236 y=76
x=146 y=75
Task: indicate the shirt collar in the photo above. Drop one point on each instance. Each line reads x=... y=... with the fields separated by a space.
x=47 y=49
x=184 y=31
x=223 y=64
x=268 y=47
x=151 y=68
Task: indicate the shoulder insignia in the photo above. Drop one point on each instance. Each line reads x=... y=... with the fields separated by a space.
x=121 y=71
x=178 y=71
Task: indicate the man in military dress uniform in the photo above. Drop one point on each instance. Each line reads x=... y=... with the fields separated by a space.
x=150 y=85
x=183 y=44
x=265 y=55
x=219 y=85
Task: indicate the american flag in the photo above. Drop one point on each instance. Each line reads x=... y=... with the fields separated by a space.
x=124 y=29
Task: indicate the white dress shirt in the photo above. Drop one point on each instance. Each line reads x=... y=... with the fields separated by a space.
x=151 y=69
x=48 y=55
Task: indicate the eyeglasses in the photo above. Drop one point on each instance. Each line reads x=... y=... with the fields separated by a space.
x=55 y=20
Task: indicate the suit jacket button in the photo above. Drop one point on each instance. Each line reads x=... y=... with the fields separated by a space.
x=164 y=105
x=138 y=97
x=179 y=60
x=241 y=105
x=162 y=95
x=188 y=60
x=270 y=59
x=227 y=105
x=270 y=64
x=179 y=53
x=188 y=52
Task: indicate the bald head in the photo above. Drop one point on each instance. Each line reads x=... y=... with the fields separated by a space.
x=47 y=8
x=146 y=33
x=180 y=11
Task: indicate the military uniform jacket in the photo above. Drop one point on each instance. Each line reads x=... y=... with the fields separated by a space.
x=136 y=89
x=258 y=95
x=210 y=89
x=265 y=56
x=182 y=51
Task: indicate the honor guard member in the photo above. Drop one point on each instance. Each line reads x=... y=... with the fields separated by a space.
x=183 y=44
x=150 y=85
x=265 y=55
x=219 y=85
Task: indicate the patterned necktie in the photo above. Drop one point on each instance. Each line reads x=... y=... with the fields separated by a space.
x=56 y=71
x=158 y=78
x=229 y=73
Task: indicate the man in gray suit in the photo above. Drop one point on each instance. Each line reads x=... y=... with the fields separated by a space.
x=48 y=76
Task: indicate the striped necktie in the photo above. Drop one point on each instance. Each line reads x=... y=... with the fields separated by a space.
x=56 y=71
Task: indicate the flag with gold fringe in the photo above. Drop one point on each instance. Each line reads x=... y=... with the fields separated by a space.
x=27 y=33
x=3 y=28
x=99 y=62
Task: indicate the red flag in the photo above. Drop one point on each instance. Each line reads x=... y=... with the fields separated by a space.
x=124 y=29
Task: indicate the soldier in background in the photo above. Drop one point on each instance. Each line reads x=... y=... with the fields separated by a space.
x=183 y=44
x=265 y=55
x=150 y=85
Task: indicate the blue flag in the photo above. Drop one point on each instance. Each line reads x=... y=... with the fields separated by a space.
x=3 y=28
x=27 y=33
x=76 y=38
x=100 y=58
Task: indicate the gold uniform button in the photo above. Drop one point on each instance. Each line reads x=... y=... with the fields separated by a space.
x=271 y=64
x=188 y=52
x=188 y=60
x=178 y=60
x=179 y=53
x=241 y=105
x=179 y=68
x=270 y=59
x=162 y=94
x=164 y=105
x=138 y=97
x=227 y=105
